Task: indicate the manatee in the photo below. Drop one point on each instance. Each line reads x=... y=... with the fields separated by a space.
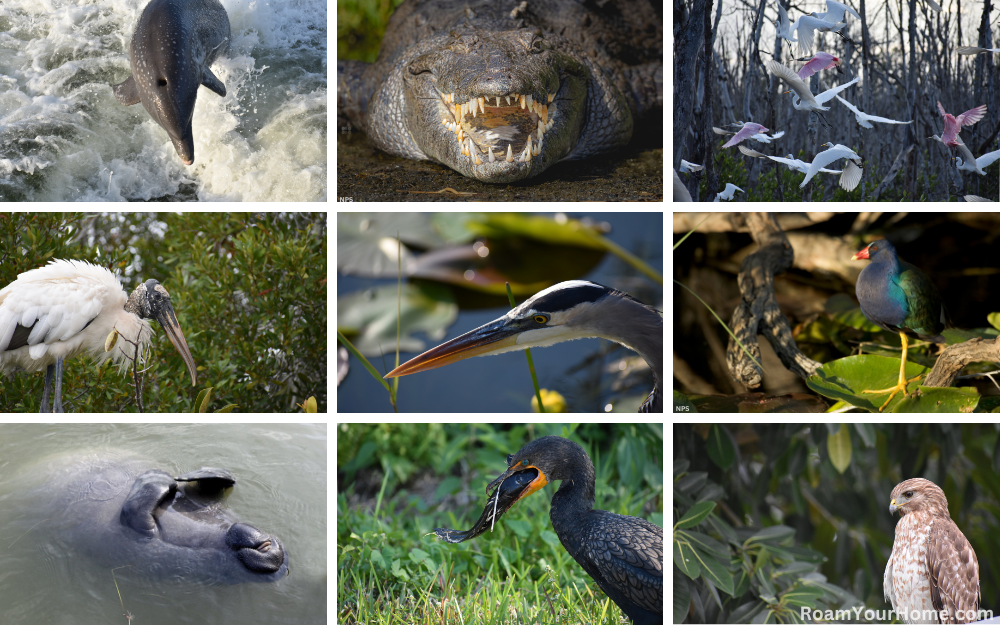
x=126 y=512
x=171 y=50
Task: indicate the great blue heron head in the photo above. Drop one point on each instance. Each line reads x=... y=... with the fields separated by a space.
x=569 y=310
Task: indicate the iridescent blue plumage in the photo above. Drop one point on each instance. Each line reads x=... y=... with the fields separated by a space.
x=898 y=297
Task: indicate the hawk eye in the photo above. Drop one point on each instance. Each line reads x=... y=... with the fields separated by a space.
x=908 y=494
x=541 y=319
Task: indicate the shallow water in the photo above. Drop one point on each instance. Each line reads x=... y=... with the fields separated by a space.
x=281 y=488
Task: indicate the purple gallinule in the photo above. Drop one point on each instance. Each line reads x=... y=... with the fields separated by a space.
x=898 y=297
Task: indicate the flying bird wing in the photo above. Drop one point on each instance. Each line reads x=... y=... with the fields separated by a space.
x=972 y=116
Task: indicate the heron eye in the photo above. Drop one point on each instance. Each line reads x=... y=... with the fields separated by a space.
x=541 y=319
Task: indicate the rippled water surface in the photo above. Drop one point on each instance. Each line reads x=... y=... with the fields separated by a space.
x=281 y=488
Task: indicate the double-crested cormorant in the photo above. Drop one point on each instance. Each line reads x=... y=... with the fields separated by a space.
x=624 y=554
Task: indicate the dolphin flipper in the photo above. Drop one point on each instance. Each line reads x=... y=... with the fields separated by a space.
x=211 y=81
x=150 y=490
x=126 y=92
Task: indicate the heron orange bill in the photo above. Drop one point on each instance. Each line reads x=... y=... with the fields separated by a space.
x=168 y=321
x=490 y=338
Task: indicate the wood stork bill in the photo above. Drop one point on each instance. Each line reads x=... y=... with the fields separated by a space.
x=575 y=309
x=71 y=307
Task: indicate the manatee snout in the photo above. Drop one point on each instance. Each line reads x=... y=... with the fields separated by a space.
x=258 y=551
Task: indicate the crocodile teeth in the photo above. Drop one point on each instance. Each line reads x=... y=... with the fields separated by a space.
x=526 y=154
x=475 y=154
x=490 y=150
x=510 y=155
x=551 y=96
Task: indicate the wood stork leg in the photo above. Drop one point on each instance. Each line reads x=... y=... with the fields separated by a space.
x=57 y=404
x=48 y=386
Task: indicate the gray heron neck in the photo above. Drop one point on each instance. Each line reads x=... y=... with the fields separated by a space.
x=643 y=334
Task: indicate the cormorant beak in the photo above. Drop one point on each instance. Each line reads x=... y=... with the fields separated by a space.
x=536 y=484
x=494 y=337
x=168 y=321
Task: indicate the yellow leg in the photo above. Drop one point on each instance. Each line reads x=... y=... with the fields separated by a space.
x=901 y=385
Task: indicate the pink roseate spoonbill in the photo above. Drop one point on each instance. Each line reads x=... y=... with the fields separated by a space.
x=822 y=60
x=70 y=308
x=865 y=119
x=968 y=162
x=953 y=125
x=852 y=172
x=969 y=50
x=749 y=129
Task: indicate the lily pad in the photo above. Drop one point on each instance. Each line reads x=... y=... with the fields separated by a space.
x=846 y=379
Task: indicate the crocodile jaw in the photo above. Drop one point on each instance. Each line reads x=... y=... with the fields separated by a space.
x=493 y=122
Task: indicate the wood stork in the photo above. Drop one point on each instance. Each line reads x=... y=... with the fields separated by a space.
x=71 y=307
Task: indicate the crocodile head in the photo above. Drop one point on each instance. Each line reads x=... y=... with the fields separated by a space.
x=498 y=104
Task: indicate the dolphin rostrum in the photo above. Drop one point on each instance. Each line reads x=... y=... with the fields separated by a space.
x=172 y=48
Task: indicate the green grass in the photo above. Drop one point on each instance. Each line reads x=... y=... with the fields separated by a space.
x=391 y=568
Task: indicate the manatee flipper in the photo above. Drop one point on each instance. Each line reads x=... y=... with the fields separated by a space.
x=150 y=490
x=209 y=478
x=211 y=81
x=126 y=92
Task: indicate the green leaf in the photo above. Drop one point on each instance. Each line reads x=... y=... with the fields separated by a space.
x=846 y=379
x=695 y=515
x=682 y=597
x=994 y=319
x=715 y=571
x=708 y=544
x=772 y=535
x=839 y=447
x=685 y=559
x=720 y=447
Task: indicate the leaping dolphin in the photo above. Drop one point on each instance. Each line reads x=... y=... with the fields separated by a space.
x=172 y=47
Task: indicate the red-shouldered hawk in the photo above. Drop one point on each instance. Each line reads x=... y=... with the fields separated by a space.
x=933 y=574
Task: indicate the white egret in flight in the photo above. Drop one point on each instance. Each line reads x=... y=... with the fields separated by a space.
x=729 y=192
x=968 y=162
x=805 y=100
x=852 y=172
x=865 y=119
x=967 y=50
x=953 y=125
x=687 y=167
